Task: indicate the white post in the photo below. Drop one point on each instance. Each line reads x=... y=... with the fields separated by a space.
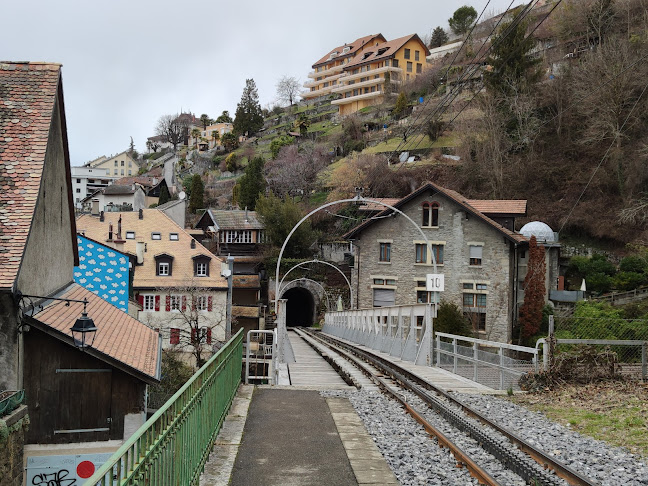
x=281 y=330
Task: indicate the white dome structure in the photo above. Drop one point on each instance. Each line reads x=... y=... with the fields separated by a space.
x=540 y=230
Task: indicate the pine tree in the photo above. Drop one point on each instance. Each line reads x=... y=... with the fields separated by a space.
x=197 y=191
x=400 y=107
x=534 y=291
x=462 y=19
x=439 y=37
x=164 y=195
x=248 y=117
x=251 y=184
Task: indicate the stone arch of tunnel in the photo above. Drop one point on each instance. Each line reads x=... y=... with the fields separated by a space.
x=301 y=306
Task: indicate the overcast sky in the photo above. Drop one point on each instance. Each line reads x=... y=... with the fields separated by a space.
x=126 y=63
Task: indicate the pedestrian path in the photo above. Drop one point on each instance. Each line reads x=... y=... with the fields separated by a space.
x=309 y=368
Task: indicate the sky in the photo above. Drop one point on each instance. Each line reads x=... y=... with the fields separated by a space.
x=126 y=63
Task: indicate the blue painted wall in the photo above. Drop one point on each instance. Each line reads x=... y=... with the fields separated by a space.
x=103 y=271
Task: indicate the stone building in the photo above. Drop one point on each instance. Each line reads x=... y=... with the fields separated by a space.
x=481 y=256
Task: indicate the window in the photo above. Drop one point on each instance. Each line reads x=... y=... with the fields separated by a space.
x=78 y=181
x=122 y=172
x=407 y=53
x=175 y=302
x=474 y=303
x=379 y=281
x=148 y=303
x=163 y=269
x=383 y=297
x=107 y=171
x=116 y=163
x=419 y=68
x=416 y=55
x=394 y=62
x=78 y=190
x=115 y=170
x=409 y=67
x=130 y=235
x=201 y=269
x=430 y=214
x=130 y=164
x=130 y=172
x=156 y=236
x=173 y=236
x=122 y=163
x=475 y=255
x=422 y=257
x=423 y=297
x=477 y=319
x=201 y=303
x=385 y=252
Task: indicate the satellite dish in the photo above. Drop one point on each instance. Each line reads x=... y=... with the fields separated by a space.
x=182 y=195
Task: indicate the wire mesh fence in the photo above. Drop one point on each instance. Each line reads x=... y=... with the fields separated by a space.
x=627 y=339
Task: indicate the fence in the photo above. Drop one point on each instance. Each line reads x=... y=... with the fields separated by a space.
x=261 y=356
x=171 y=448
x=402 y=331
x=475 y=360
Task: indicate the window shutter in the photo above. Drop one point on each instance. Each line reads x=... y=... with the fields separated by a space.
x=140 y=299
x=157 y=303
x=168 y=303
x=209 y=303
x=175 y=336
x=209 y=335
x=184 y=303
x=193 y=336
x=476 y=251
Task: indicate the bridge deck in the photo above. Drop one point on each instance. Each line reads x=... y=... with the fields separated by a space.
x=310 y=369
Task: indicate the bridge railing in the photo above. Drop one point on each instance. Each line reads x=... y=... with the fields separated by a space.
x=172 y=447
x=403 y=331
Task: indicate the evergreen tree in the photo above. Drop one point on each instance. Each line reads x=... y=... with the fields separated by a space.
x=248 y=118
x=462 y=19
x=224 y=117
x=251 y=184
x=197 y=191
x=439 y=37
x=513 y=68
x=534 y=291
x=164 y=195
x=400 y=107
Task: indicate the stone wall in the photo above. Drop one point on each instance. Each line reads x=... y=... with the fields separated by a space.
x=12 y=443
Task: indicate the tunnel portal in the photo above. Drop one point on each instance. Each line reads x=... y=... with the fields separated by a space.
x=300 y=308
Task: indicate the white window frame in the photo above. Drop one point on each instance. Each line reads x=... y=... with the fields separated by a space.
x=130 y=235
x=148 y=302
x=201 y=303
x=156 y=236
x=175 y=303
x=174 y=236
x=475 y=252
x=201 y=269
x=163 y=269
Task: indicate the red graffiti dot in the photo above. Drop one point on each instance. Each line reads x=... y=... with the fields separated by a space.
x=85 y=469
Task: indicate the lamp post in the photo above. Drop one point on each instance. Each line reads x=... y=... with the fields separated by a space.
x=83 y=330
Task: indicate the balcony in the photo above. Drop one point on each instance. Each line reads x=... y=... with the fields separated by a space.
x=317 y=93
x=326 y=72
x=346 y=87
x=373 y=72
x=311 y=84
x=363 y=96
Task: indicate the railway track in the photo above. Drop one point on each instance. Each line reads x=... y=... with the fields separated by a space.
x=419 y=397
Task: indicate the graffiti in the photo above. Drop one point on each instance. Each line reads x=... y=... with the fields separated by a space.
x=54 y=479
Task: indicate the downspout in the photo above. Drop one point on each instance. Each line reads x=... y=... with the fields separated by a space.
x=516 y=273
x=358 y=278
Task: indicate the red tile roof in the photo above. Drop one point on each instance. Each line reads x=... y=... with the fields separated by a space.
x=28 y=95
x=391 y=48
x=372 y=206
x=141 y=180
x=354 y=46
x=121 y=340
x=517 y=207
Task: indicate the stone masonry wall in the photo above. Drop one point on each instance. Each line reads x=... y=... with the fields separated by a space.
x=12 y=443
x=455 y=232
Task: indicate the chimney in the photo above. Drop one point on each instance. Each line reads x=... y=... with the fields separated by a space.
x=246 y=214
x=193 y=243
x=141 y=213
x=140 y=252
x=119 y=236
x=101 y=216
x=110 y=229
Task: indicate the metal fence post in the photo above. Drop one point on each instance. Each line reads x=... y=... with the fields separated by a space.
x=454 y=351
x=501 y=370
x=644 y=364
x=475 y=359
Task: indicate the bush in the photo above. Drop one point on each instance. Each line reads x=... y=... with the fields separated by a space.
x=278 y=143
x=628 y=280
x=633 y=263
x=231 y=162
x=450 y=319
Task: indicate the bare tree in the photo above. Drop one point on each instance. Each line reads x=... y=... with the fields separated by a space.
x=169 y=127
x=197 y=322
x=287 y=89
x=296 y=169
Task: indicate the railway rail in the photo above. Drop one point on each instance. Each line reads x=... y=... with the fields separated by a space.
x=517 y=455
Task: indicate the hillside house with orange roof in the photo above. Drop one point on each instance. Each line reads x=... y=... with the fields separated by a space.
x=71 y=397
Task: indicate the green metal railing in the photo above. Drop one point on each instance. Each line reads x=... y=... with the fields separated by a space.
x=172 y=447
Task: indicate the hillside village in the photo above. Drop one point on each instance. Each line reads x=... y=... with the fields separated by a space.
x=515 y=143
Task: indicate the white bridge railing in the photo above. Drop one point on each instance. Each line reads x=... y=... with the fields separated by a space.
x=403 y=331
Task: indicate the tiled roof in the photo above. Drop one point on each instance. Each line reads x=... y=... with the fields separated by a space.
x=371 y=206
x=354 y=46
x=115 y=189
x=141 y=180
x=449 y=193
x=244 y=311
x=155 y=172
x=119 y=336
x=28 y=93
x=517 y=207
x=246 y=282
x=235 y=219
x=391 y=48
x=182 y=272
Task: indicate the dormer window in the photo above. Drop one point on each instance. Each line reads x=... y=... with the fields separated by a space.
x=163 y=265
x=173 y=236
x=130 y=235
x=156 y=236
x=201 y=265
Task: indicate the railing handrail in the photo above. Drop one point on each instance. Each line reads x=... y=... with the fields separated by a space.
x=495 y=344
x=234 y=343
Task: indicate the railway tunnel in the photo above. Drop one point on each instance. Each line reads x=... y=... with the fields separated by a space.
x=300 y=308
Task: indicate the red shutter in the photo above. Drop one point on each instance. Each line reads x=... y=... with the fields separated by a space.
x=184 y=303
x=175 y=336
x=209 y=335
x=193 y=302
x=140 y=299
x=209 y=303
x=168 y=303
x=157 y=303
x=193 y=336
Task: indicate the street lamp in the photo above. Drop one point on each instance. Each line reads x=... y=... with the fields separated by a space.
x=83 y=330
